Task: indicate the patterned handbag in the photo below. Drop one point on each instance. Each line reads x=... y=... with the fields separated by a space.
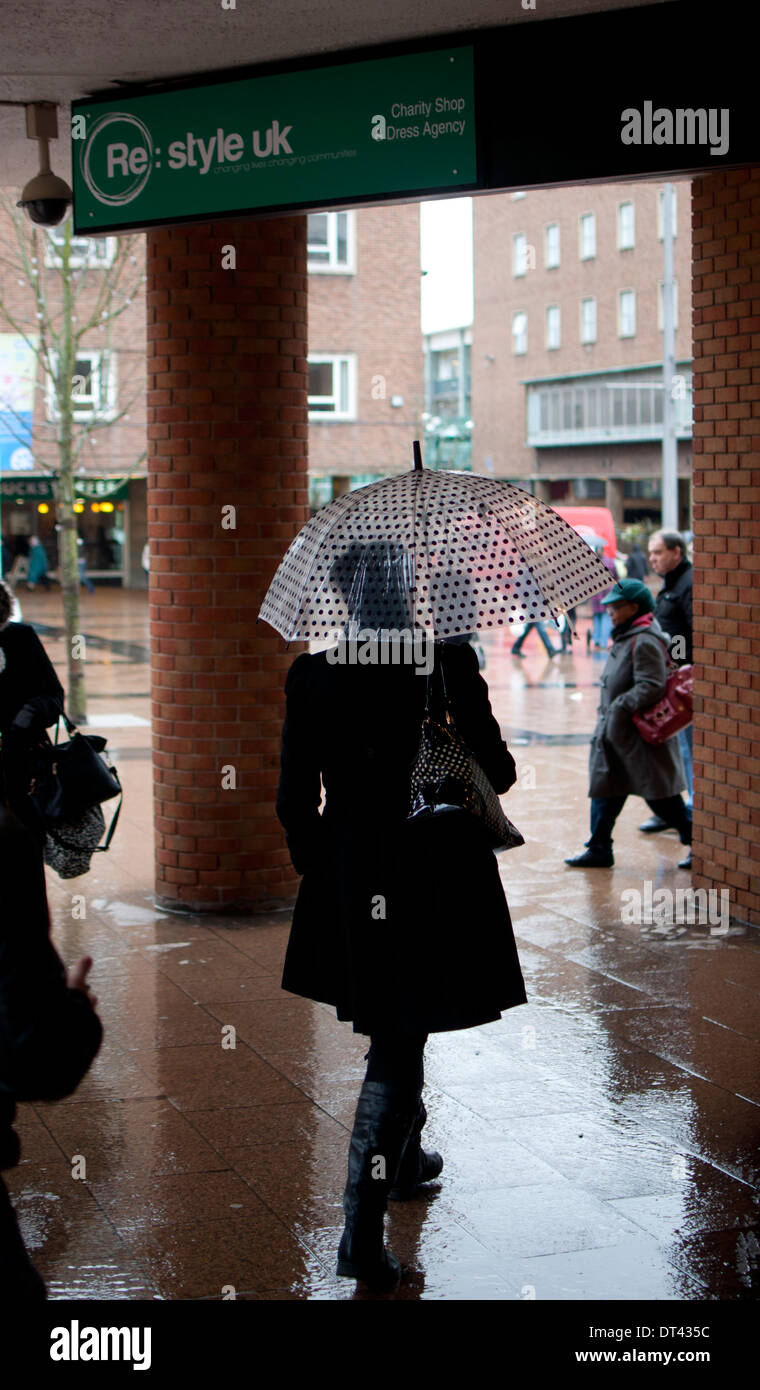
x=446 y=777
x=69 y=847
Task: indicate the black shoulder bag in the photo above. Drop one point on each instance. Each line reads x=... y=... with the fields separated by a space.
x=447 y=777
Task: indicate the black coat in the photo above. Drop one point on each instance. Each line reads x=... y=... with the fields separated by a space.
x=49 y=1033
x=27 y=680
x=400 y=926
x=673 y=610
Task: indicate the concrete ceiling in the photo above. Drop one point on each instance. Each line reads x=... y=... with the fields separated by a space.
x=54 y=52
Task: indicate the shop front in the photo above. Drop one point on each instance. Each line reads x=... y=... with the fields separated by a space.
x=104 y=524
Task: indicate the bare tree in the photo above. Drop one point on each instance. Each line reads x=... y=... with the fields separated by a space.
x=72 y=298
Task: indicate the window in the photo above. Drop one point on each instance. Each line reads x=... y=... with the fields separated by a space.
x=84 y=251
x=603 y=406
x=331 y=243
x=588 y=236
x=661 y=305
x=661 y=212
x=588 y=320
x=626 y=314
x=93 y=387
x=519 y=333
x=552 y=326
x=626 y=227
x=519 y=253
x=332 y=387
x=551 y=246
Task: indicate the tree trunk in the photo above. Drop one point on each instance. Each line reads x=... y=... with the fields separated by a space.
x=69 y=564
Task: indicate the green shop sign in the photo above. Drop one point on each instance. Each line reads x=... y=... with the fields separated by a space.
x=41 y=489
x=294 y=139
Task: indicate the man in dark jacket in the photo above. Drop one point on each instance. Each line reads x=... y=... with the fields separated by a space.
x=49 y=1031
x=673 y=611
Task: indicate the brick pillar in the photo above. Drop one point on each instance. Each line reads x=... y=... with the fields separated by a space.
x=227 y=428
x=726 y=509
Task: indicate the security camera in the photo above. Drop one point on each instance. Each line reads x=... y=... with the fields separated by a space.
x=45 y=198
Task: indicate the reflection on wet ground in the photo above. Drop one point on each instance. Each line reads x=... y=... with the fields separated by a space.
x=599 y=1143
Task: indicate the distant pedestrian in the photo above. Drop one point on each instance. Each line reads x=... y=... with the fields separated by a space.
x=38 y=565
x=84 y=578
x=601 y=623
x=543 y=634
x=637 y=563
x=668 y=556
x=622 y=763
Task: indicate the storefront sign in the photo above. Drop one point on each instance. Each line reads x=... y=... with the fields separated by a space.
x=354 y=130
x=35 y=489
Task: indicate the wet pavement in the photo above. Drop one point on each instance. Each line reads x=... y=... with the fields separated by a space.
x=599 y=1142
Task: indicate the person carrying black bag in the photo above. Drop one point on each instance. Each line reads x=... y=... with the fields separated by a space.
x=31 y=700
x=401 y=925
x=49 y=1030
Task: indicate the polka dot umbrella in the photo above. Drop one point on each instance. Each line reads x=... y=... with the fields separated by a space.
x=447 y=552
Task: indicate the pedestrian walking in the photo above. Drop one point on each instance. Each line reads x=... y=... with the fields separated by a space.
x=622 y=763
x=517 y=647
x=601 y=623
x=31 y=699
x=637 y=563
x=668 y=556
x=38 y=565
x=401 y=925
x=49 y=1030
x=84 y=578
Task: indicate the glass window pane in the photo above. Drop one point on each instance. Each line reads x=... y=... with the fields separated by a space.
x=320 y=378
x=342 y=238
x=343 y=401
x=567 y=409
x=318 y=237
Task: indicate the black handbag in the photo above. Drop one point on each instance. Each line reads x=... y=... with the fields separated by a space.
x=71 y=778
x=447 y=777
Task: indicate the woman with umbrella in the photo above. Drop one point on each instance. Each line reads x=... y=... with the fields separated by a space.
x=401 y=925
x=398 y=947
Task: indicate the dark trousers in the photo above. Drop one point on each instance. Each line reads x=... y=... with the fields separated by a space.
x=396 y=1060
x=18 y=1277
x=606 y=809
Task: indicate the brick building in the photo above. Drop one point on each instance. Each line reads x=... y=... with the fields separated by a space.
x=365 y=385
x=568 y=343
x=365 y=346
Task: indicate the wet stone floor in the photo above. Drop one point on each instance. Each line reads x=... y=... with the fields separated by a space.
x=600 y=1142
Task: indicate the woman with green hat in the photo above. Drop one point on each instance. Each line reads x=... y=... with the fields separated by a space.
x=622 y=763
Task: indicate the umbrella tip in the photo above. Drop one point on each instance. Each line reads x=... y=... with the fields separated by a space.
x=417 y=456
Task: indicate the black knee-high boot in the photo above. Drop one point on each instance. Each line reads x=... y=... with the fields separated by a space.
x=417 y=1165
x=382 y=1126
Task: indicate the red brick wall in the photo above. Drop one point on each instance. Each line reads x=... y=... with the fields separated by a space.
x=227 y=425
x=726 y=270
x=376 y=315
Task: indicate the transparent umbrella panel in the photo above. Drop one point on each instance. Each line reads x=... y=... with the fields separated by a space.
x=448 y=553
